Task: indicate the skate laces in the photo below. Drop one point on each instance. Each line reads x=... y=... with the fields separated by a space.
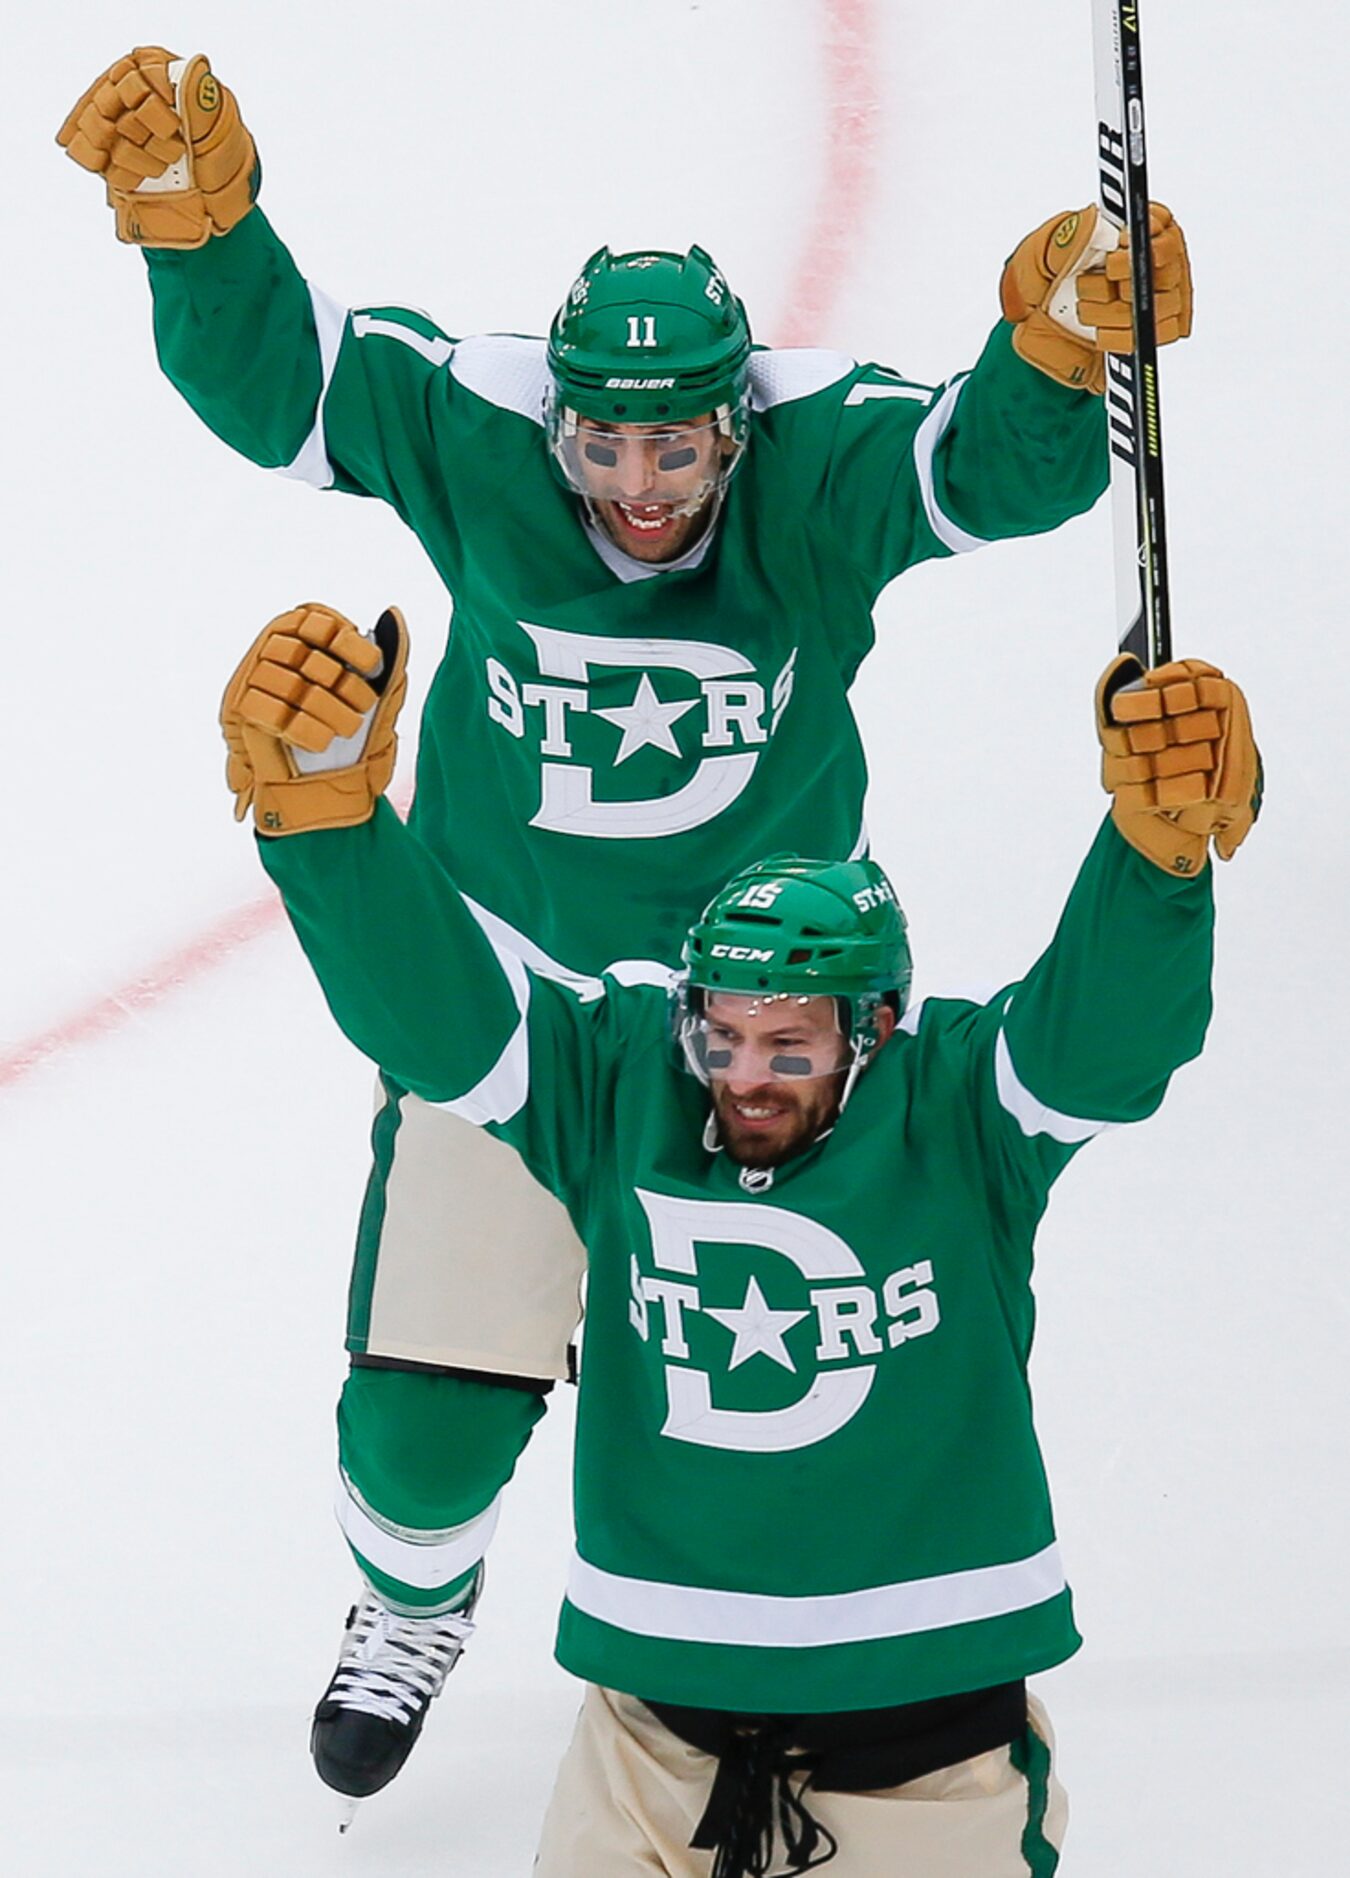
x=392 y=1666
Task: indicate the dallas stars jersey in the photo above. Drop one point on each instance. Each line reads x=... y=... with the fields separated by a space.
x=806 y=1473
x=605 y=743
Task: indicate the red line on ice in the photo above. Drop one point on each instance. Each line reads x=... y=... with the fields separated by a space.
x=853 y=112
x=148 y=988
x=853 y=120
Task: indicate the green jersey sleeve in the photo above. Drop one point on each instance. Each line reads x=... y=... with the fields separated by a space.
x=1091 y=1036
x=237 y=336
x=413 y=978
x=352 y=400
x=906 y=472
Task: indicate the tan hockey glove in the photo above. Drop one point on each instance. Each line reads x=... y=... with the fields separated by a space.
x=167 y=139
x=309 y=720
x=1068 y=292
x=1179 y=759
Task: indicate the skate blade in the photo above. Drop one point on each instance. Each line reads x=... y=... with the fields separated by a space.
x=347 y=1814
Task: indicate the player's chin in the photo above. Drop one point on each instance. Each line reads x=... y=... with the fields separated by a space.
x=764 y=1145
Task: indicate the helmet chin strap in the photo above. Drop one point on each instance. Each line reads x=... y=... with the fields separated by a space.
x=861 y=1052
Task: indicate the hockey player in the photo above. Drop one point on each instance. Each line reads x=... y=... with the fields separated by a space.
x=815 y=1559
x=663 y=547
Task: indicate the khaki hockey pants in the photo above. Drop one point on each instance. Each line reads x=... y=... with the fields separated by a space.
x=466 y=1282
x=463 y=1261
x=630 y=1794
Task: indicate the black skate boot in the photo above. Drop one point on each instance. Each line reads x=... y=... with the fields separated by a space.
x=372 y=1711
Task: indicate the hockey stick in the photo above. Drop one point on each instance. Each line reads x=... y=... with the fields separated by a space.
x=1134 y=418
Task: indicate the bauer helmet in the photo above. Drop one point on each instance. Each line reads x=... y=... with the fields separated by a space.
x=794 y=929
x=650 y=338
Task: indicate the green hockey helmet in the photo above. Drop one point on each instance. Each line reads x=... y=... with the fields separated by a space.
x=650 y=339
x=794 y=929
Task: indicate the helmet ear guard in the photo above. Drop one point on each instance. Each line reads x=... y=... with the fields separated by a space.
x=858 y=1018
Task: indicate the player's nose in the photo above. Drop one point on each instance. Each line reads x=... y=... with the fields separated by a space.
x=637 y=471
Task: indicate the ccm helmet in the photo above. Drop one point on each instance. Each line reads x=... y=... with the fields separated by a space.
x=788 y=928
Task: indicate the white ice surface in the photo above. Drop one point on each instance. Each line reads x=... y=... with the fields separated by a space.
x=179 y=1197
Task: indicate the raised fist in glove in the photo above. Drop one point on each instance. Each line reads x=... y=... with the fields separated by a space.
x=1179 y=759
x=1068 y=292
x=309 y=720
x=167 y=139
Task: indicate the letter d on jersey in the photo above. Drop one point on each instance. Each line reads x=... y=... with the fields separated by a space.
x=568 y=804
x=832 y=1400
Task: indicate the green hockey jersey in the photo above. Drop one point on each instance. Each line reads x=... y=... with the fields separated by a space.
x=606 y=742
x=806 y=1472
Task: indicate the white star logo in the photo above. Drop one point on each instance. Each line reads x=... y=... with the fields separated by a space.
x=646 y=720
x=758 y=1330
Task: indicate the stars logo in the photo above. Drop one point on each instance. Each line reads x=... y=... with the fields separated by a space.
x=722 y=748
x=856 y=1323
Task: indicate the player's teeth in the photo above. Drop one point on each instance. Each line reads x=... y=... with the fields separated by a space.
x=648 y=522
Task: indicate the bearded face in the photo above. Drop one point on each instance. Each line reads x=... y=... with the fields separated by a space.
x=776 y=1067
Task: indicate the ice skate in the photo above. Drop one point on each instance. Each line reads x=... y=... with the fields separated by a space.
x=371 y=1713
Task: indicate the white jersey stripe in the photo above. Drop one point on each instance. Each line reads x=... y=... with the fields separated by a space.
x=504 y=370
x=687 y=1614
x=1033 y=1116
x=783 y=375
x=310 y=463
x=926 y=440
x=587 y=986
x=425 y=1560
x=505 y=1089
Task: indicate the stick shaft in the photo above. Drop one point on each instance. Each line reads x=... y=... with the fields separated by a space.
x=1134 y=414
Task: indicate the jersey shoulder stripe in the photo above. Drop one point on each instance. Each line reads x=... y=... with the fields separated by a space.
x=506 y=370
x=794 y=372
